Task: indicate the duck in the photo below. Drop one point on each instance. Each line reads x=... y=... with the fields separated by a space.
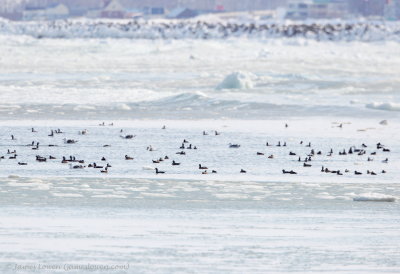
x=306 y=165
x=202 y=167
x=129 y=136
x=41 y=159
x=22 y=163
x=234 y=145
x=128 y=157
x=288 y=172
x=159 y=172
x=96 y=166
x=105 y=170
x=243 y=171
x=175 y=163
x=260 y=153
x=372 y=173
x=76 y=166
x=69 y=141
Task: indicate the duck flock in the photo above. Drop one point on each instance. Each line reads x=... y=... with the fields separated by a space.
x=310 y=156
x=200 y=29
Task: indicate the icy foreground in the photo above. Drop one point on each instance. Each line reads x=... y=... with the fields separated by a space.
x=198 y=226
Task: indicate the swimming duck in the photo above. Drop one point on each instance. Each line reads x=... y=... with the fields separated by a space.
x=175 y=163
x=234 y=145
x=69 y=141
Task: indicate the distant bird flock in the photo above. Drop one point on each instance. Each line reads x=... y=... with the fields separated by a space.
x=200 y=29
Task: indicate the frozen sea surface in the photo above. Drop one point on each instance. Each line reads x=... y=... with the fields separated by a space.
x=164 y=226
x=175 y=79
